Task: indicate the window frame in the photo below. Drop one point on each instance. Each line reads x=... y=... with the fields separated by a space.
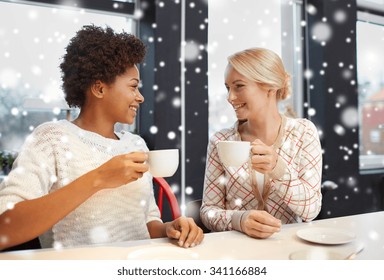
x=370 y=164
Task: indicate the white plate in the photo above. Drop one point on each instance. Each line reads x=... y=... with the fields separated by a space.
x=329 y=236
x=162 y=253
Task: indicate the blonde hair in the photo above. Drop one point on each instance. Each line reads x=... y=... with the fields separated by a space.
x=264 y=67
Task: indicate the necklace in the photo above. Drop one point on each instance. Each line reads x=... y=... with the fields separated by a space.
x=278 y=131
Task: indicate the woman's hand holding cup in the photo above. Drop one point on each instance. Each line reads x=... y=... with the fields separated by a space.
x=120 y=170
x=263 y=157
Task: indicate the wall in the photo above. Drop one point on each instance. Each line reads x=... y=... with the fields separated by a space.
x=333 y=96
x=175 y=112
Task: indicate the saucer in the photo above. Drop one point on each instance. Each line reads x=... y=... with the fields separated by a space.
x=330 y=236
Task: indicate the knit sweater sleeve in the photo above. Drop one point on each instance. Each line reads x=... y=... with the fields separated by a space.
x=297 y=175
x=213 y=212
x=153 y=209
x=33 y=171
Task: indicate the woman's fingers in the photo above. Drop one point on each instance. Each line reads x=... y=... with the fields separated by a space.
x=122 y=169
x=260 y=224
x=186 y=231
x=264 y=158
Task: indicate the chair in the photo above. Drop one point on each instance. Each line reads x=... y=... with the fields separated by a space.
x=164 y=188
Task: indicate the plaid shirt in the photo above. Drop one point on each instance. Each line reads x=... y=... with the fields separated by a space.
x=291 y=192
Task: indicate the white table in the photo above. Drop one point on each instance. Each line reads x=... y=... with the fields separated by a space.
x=368 y=228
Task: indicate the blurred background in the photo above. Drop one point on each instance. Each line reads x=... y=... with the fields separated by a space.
x=332 y=49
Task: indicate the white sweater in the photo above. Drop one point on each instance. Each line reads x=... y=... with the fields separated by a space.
x=57 y=153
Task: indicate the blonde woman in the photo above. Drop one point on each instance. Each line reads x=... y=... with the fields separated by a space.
x=281 y=182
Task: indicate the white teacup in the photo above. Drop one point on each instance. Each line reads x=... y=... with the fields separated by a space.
x=163 y=163
x=234 y=153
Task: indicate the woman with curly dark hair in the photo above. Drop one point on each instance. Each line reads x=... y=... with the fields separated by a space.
x=77 y=183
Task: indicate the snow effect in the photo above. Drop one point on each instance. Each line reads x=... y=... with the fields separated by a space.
x=23 y=77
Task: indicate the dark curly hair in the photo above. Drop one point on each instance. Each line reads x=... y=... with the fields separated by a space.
x=97 y=54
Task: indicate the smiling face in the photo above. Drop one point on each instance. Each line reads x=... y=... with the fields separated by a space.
x=246 y=97
x=122 y=98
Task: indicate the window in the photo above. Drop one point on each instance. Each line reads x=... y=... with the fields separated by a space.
x=32 y=41
x=234 y=26
x=370 y=73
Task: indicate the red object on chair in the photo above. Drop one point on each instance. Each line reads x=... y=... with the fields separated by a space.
x=164 y=188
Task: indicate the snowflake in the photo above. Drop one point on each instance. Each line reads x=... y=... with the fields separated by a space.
x=191 y=51
x=340 y=16
x=3 y=239
x=99 y=235
x=238 y=202
x=53 y=179
x=153 y=129
x=211 y=214
x=57 y=245
x=340 y=130
x=189 y=190
x=171 y=135
x=350 y=117
x=321 y=31
x=374 y=235
x=10 y=205
x=176 y=102
x=311 y=112
x=175 y=188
